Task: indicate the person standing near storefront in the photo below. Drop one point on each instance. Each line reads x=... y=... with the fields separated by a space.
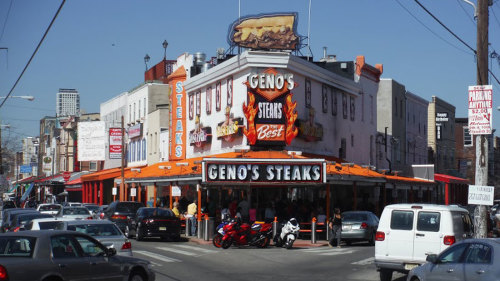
x=245 y=207
x=336 y=227
x=175 y=209
x=192 y=209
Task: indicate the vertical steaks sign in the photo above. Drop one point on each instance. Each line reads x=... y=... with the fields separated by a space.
x=480 y=109
x=270 y=112
x=305 y=171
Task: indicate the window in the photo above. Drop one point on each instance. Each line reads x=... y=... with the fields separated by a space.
x=402 y=220
x=144 y=106
x=428 y=221
x=401 y=108
x=478 y=253
x=352 y=140
x=372 y=106
x=334 y=102
x=90 y=248
x=218 y=96
x=16 y=246
x=467 y=137
x=191 y=107
x=63 y=246
x=343 y=148
x=453 y=254
x=353 y=105
x=344 y=105
x=208 y=105
x=93 y=166
x=133 y=120
x=324 y=98
x=308 y=93
x=144 y=150
x=139 y=110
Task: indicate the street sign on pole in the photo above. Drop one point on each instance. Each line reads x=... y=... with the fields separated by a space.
x=480 y=109
x=481 y=195
x=66 y=175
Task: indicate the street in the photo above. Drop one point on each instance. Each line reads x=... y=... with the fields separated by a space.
x=191 y=261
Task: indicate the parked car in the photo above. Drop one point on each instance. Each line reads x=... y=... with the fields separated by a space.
x=8 y=205
x=19 y=220
x=120 y=212
x=7 y=215
x=359 y=226
x=72 y=204
x=76 y=213
x=104 y=231
x=51 y=209
x=407 y=233
x=100 y=212
x=93 y=208
x=472 y=259
x=154 y=222
x=66 y=255
x=44 y=224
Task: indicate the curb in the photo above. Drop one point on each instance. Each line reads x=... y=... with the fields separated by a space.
x=298 y=244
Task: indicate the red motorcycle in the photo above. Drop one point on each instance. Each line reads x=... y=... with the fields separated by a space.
x=240 y=234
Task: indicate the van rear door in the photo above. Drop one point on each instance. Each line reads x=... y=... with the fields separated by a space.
x=428 y=237
x=400 y=236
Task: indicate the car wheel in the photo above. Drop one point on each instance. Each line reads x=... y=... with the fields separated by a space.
x=138 y=235
x=136 y=276
x=372 y=240
x=385 y=275
x=415 y=278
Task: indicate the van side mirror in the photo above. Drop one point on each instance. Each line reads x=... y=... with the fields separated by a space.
x=432 y=258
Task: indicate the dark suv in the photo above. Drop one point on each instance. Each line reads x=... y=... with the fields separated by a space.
x=120 y=212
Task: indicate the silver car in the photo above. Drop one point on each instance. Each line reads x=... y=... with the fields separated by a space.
x=76 y=213
x=66 y=255
x=104 y=231
x=51 y=209
x=471 y=259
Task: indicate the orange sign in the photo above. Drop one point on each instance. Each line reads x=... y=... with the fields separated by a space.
x=178 y=115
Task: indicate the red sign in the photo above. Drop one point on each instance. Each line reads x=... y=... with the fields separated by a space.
x=270 y=111
x=115 y=143
x=66 y=176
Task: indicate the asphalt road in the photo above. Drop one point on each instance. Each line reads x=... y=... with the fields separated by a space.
x=190 y=261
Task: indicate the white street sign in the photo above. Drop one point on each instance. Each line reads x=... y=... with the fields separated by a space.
x=113 y=191
x=480 y=109
x=176 y=191
x=133 y=192
x=481 y=195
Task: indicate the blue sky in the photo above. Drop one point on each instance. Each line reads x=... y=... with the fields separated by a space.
x=98 y=46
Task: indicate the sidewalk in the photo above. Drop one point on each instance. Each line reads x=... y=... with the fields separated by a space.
x=298 y=243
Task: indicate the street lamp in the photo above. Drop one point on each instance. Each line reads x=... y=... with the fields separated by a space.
x=165 y=45
x=30 y=98
x=146 y=60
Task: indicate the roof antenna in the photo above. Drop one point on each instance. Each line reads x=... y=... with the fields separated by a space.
x=309 y=32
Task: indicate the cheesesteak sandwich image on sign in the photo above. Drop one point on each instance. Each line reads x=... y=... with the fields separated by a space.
x=275 y=31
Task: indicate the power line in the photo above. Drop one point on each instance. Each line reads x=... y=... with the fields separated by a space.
x=465 y=11
x=5 y=21
x=430 y=30
x=34 y=53
x=495 y=16
x=443 y=25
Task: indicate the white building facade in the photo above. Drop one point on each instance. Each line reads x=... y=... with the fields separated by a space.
x=111 y=113
x=336 y=116
x=68 y=102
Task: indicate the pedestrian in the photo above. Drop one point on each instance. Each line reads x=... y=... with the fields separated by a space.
x=245 y=207
x=175 y=209
x=336 y=227
x=192 y=209
x=269 y=213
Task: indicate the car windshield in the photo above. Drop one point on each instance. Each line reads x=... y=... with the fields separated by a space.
x=24 y=218
x=92 y=207
x=96 y=229
x=50 y=208
x=128 y=207
x=355 y=217
x=49 y=224
x=16 y=246
x=158 y=212
x=75 y=211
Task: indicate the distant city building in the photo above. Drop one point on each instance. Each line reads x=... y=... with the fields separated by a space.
x=30 y=155
x=441 y=136
x=68 y=103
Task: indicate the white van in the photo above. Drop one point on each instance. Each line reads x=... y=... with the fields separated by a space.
x=407 y=233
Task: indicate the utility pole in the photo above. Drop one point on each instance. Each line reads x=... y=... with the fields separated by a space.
x=122 y=182
x=481 y=178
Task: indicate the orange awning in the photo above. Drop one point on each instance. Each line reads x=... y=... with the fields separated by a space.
x=103 y=174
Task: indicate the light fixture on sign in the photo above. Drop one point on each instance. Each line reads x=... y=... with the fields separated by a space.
x=137 y=170
x=164 y=167
x=348 y=164
x=181 y=164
